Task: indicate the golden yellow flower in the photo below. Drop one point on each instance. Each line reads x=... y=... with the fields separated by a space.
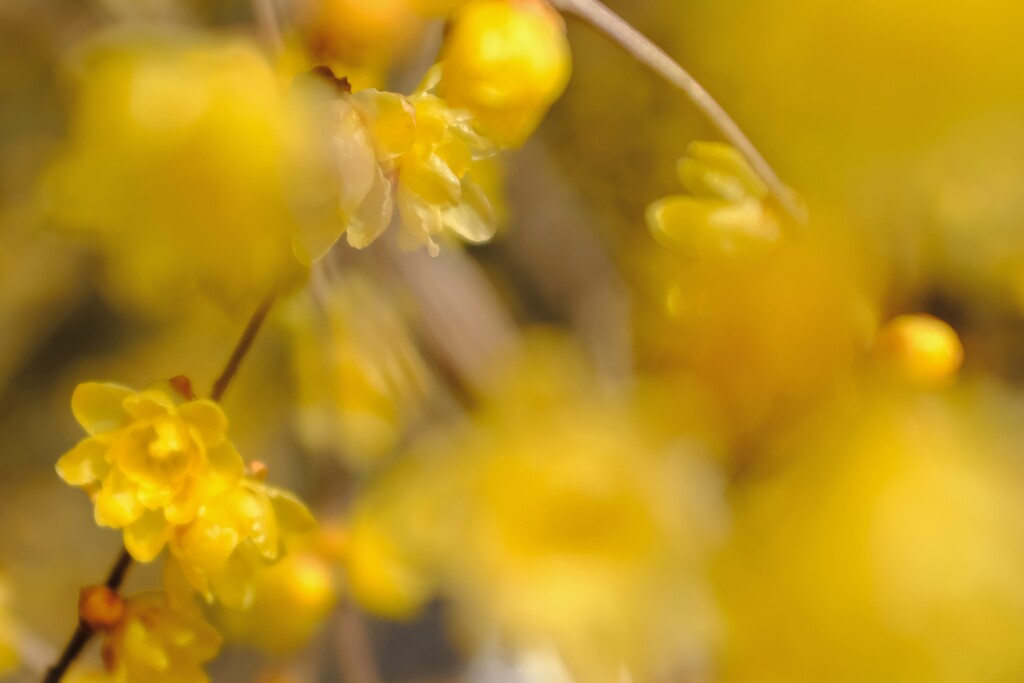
x=554 y=520
x=506 y=63
x=178 y=151
x=149 y=462
x=235 y=535
x=436 y=188
x=726 y=213
x=292 y=600
x=158 y=643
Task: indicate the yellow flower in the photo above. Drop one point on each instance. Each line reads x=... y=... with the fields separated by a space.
x=554 y=520
x=292 y=600
x=234 y=536
x=158 y=643
x=353 y=142
x=726 y=213
x=436 y=188
x=148 y=462
x=362 y=382
x=178 y=151
x=506 y=63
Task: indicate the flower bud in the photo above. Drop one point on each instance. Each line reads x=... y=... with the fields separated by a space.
x=506 y=63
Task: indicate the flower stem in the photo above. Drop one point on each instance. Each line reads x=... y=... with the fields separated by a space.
x=641 y=48
x=243 y=346
x=83 y=632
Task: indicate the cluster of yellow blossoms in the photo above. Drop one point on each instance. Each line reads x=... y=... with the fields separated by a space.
x=183 y=148
x=158 y=464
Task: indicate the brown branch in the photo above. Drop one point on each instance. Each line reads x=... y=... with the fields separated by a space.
x=243 y=346
x=642 y=49
x=83 y=632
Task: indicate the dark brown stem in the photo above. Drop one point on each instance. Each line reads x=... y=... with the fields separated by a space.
x=243 y=346
x=84 y=633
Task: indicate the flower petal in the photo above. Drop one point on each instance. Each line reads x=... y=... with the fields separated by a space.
x=207 y=418
x=226 y=468
x=98 y=407
x=292 y=515
x=117 y=504
x=145 y=537
x=148 y=404
x=84 y=464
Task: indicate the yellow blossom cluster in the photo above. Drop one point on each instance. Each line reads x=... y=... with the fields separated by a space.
x=582 y=533
x=726 y=212
x=153 y=641
x=183 y=148
x=163 y=470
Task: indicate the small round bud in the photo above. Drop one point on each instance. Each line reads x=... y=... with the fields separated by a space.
x=506 y=63
x=921 y=349
x=100 y=607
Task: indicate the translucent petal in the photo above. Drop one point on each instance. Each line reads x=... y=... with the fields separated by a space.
x=292 y=514
x=207 y=418
x=718 y=170
x=473 y=219
x=148 y=404
x=391 y=119
x=235 y=586
x=99 y=408
x=432 y=179
x=355 y=157
x=146 y=537
x=374 y=214
x=84 y=464
x=226 y=468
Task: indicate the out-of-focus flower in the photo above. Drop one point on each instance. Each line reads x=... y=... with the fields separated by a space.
x=367 y=38
x=553 y=520
x=766 y=337
x=159 y=643
x=922 y=349
x=726 y=213
x=888 y=548
x=354 y=141
x=8 y=650
x=377 y=141
x=361 y=380
x=177 y=155
x=149 y=463
x=234 y=537
x=291 y=601
x=506 y=63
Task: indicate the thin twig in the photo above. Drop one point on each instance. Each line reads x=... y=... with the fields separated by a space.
x=243 y=346
x=641 y=48
x=83 y=632
x=268 y=24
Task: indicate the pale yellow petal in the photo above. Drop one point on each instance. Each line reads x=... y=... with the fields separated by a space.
x=226 y=468
x=292 y=514
x=374 y=214
x=391 y=120
x=146 y=537
x=84 y=464
x=117 y=504
x=99 y=408
x=207 y=418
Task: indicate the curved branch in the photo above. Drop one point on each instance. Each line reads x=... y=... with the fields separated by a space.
x=640 y=47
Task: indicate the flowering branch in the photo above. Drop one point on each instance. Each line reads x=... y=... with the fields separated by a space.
x=640 y=47
x=84 y=632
